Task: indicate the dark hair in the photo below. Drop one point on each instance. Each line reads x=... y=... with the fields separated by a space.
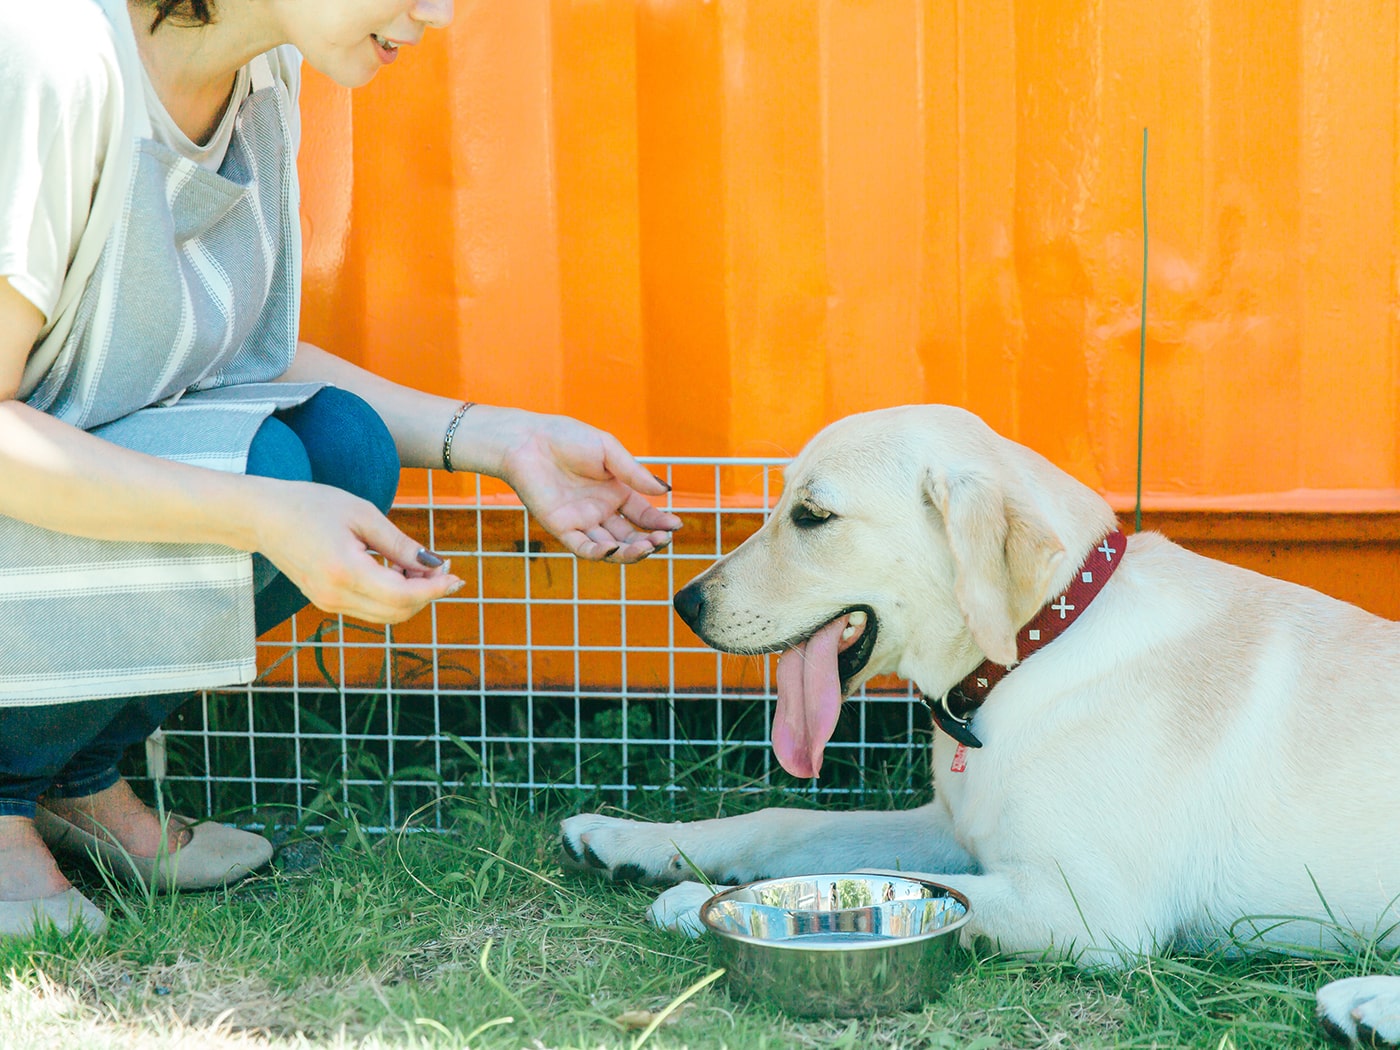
x=182 y=12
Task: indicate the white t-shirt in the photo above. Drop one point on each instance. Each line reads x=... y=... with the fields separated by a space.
x=61 y=104
x=165 y=131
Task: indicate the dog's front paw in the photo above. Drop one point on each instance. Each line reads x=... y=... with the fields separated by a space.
x=624 y=850
x=1361 y=1009
x=679 y=908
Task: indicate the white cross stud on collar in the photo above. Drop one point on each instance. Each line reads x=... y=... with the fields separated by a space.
x=1107 y=551
x=1062 y=607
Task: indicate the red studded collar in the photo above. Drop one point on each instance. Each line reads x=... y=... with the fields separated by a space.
x=953 y=712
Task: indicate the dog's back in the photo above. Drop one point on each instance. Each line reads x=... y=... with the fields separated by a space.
x=1224 y=731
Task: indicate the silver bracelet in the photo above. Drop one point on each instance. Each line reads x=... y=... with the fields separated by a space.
x=447 y=437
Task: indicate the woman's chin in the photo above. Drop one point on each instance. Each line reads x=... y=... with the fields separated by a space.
x=348 y=71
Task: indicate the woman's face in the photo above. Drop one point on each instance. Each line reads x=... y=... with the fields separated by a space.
x=351 y=40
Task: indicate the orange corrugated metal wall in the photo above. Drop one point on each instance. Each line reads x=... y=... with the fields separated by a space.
x=714 y=225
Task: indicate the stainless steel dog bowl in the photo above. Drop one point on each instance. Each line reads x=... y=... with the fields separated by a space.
x=842 y=945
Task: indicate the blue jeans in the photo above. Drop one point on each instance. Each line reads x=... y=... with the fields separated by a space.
x=71 y=750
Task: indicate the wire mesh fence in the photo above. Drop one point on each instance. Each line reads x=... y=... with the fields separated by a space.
x=544 y=675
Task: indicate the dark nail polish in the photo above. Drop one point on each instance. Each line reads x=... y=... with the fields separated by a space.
x=428 y=558
x=662 y=483
x=612 y=552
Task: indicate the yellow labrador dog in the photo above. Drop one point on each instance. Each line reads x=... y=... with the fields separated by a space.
x=1141 y=748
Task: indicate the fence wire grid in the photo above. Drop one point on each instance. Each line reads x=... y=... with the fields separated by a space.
x=543 y=675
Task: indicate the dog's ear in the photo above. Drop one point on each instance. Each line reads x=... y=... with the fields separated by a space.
x=1004 y=558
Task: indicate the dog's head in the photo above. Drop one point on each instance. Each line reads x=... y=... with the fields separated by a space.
x=912 y=541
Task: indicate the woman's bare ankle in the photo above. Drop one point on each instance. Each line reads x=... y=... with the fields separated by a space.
x=27 y=868
x=117 y=811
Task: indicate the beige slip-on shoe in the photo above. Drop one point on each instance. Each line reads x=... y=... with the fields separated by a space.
x=66 y=911
x=215 y=855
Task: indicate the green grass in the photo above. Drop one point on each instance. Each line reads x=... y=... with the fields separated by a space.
x=476 y=937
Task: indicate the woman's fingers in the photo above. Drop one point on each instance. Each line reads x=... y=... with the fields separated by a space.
x=398 y=548
x=390 y=597
x=590 y=545
x=636 y=508
x=367 y=589
x=622 y=465
x=640 y=513
x=397 y=590
x=347 y=558
x=625 y=549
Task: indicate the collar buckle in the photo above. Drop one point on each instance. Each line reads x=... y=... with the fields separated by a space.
x=957 y=728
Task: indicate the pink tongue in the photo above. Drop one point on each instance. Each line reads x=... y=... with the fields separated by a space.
x=809 y=699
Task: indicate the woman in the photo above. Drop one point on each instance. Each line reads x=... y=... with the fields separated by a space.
x=177 y=472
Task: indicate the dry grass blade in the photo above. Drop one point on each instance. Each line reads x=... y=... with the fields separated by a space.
x=674 y=1005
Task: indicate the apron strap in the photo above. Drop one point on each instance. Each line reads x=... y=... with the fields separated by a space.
x=260 y=69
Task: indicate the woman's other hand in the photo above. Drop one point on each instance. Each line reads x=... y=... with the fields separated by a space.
x=334 y=546
x=587 y=490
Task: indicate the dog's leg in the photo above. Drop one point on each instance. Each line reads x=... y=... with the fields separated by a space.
x=678 y=908
x=1361 y=1009
x=768 y=843
x=1019 y=916
x=1038 y=914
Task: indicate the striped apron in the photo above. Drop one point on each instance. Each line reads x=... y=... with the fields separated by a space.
x=189 y=317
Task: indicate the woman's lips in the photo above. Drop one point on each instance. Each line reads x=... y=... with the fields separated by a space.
x=386 y=54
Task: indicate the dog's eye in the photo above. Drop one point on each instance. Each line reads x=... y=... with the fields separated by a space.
x=805 y=516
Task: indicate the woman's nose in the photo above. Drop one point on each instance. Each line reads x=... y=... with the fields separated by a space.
x=435 y=13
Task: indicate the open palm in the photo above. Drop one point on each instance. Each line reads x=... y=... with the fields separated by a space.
x=588 y=491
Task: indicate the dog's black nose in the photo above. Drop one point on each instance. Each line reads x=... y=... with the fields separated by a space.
x=690 y=603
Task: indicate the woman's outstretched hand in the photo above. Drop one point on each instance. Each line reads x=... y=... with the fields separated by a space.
x=587 y=490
